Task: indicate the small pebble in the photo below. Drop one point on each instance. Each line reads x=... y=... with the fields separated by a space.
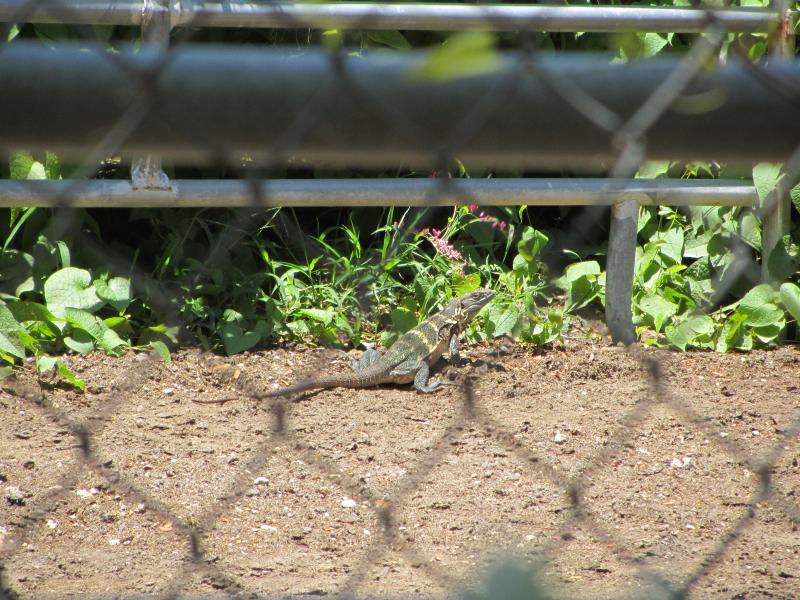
x=15 y=496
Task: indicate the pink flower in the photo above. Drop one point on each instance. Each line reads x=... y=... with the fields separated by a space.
x=484 y=218
x=445 y=248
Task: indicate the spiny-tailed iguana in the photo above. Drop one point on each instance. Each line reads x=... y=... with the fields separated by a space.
x=410 y=357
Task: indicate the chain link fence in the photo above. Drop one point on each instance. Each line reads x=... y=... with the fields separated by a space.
x=527 y=110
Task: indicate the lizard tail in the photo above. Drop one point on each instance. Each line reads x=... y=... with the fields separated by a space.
x=348 y=380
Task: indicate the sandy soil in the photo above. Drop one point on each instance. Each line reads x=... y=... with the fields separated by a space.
x=574 y=460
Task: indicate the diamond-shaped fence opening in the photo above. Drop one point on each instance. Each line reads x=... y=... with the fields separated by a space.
x=610 y=470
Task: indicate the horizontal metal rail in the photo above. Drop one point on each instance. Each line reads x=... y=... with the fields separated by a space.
x=430 y=16
x=379 y=192
x=211 y=103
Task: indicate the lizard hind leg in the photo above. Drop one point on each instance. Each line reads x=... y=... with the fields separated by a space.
x=368 y=358
x=421 y=373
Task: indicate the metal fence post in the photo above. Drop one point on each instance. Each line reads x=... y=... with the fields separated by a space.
x=777 y=220
x=146 y=171
x=620 y=269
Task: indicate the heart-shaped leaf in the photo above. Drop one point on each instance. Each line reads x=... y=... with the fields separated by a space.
x=71 y=288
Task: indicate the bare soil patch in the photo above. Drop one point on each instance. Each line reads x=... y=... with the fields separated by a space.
x=105 y=493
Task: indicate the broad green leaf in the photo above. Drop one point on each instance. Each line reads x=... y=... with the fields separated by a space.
x=652 y=44
x=464 y=54
x=160 y=333
x=790 y=298
x=646 y=217
x=66 y=373
x=162 y=350
x=467 y=283
x=671 y=244
x=403 y=319
x=765 y=178
x=86 y=321
x=30 y=343
x=765 y=315
x=45 y=364
x=745 y=341
x=24 y=166
x=531 y=243
x=13 y=32
x=392 y=38
x=768 y=333
x=578 y=270
x=8 y=323
x=324 y=316
x=10 y=345
x=658 y=309
x=107 y=339
x=52 y=166
x=645 y=266
x=6 y=371
x=505 y=320
x=15 y=270
x=26 y=310
x=677 y=296
x=71 y=288
x=80 y=341
x=732 y=334
x=236 y=340
x=232 y=315
x=750 y=228
x=695 y=331
x=699 y=270
x=580 y=293
x=520 y=264
x=757 y=297
x=794 y=193
x=653 y=169
x=784 y=260
x=37 y=171
x=111 y=343
x=116 y=323
x=117 y=292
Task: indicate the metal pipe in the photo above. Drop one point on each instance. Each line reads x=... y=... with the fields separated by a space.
x=620 y=271
x=433 y=16
x=221 y=103
x=379 y=192
x=777 y=220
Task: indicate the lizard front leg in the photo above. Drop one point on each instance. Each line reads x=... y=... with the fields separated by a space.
x=368 y=358
x=453 y=356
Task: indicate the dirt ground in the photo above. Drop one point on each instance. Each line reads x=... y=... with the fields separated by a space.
x=572 y=460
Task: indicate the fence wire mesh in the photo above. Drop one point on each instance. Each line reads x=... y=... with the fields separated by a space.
x=198 y=523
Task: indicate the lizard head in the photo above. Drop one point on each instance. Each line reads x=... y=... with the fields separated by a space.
x=473 y=302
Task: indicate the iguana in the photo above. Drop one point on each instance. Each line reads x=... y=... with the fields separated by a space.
x=410 y=357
